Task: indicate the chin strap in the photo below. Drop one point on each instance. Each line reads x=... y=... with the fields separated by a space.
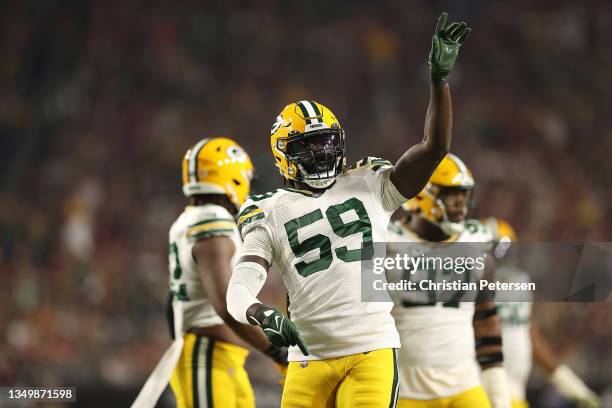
x=320 y=183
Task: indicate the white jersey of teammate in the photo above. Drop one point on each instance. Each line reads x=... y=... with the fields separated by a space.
x=516 y=337
x=317 y=244
x=437 y=358
x=195 y=223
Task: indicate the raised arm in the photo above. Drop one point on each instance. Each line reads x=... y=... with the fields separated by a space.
x=412 y=171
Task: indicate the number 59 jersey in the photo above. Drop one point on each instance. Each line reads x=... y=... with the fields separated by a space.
x=317 y=243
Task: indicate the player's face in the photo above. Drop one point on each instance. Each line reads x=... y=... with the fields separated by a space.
x=456 y=202
x=318 y=152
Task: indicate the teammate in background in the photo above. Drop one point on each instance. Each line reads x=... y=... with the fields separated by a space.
x=319 y=230
x=204 y=245
x=436 y=362
x=523 y=343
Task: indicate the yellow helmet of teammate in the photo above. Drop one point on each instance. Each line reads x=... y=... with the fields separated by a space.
x=218 y=166
x=502 y=229
x=308 y=144
x=503 y=234
x=450 y=173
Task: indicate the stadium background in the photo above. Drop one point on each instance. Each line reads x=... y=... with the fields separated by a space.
x=99 y=100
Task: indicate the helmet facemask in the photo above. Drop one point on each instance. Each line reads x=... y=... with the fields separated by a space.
x=318 y=156
x=452 y=227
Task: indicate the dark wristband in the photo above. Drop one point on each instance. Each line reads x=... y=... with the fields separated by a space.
x=255 y=314
x=485 y=314
x=488 y=341
x=278 y=354
x=490 y=359
x=438 y=80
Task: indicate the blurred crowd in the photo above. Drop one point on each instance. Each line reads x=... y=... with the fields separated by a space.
x=100 y=100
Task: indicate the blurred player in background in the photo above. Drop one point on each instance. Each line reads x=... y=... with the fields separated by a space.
x=436 y=361
x=318 y=231
x=204 y=245
x=522 y=340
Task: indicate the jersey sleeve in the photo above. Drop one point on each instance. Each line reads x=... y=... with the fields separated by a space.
x=377 y=173
x=258 y=242
x=255 y=227
x=481 y=233
x=253 y=214
x=209 y=222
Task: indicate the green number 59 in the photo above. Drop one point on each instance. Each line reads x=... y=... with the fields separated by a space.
x=333 y=214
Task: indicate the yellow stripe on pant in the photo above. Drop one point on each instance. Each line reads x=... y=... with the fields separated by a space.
x=356 y=381
x=210 y=373
x=473 y=398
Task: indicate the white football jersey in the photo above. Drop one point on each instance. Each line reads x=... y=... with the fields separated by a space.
x=197 y=222
x=318 y=243
x=437 y=358
x=515 y=318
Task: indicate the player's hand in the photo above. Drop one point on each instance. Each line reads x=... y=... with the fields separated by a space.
x=445 y=46
x=279 y=330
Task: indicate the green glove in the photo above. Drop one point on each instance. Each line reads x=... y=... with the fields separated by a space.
x=280 y=331
x=445 y=45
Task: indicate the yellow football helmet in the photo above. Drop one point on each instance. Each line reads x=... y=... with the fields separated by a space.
x=218 y=166
x=503 y=230
x=450 y=173
x=308 y=144
x=503 y=234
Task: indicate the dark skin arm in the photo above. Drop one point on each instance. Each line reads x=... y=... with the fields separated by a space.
x=213 y=257
x=491 y=325
x=412 y=171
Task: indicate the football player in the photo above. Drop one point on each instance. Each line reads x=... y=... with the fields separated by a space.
x=318 y=231
x=523 y=342
x=441 y=338
x=204 y=244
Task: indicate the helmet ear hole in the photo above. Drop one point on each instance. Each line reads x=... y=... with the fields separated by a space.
x=236 y=182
